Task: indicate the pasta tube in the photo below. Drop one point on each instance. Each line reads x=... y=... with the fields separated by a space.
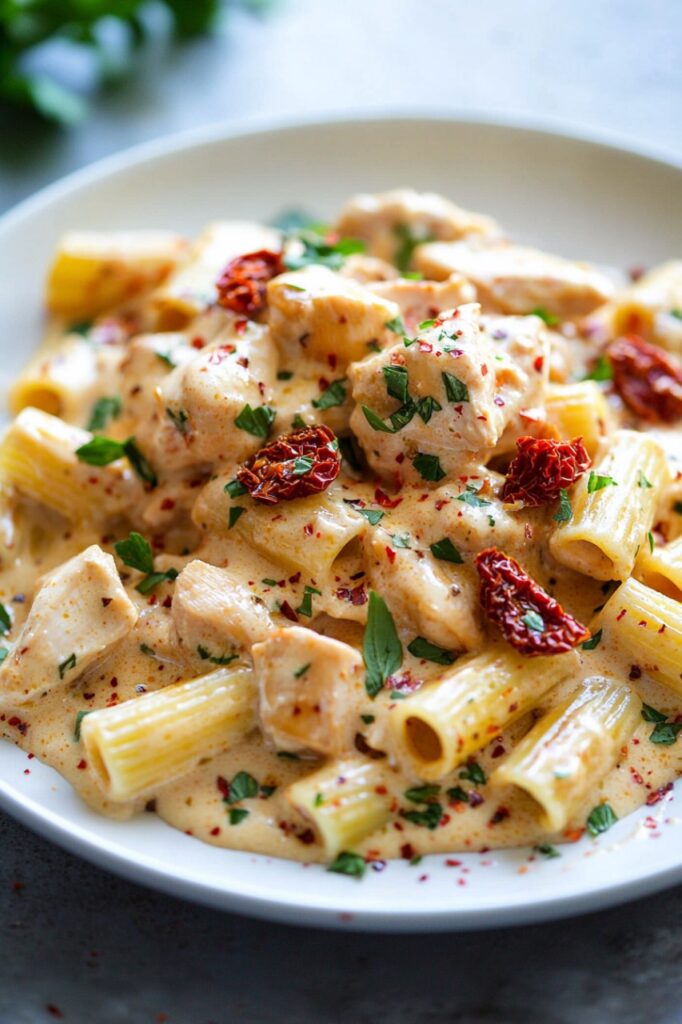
x=448 y=720
x=93 y=272
x=37 y=458
x=647 y=627
x=307 y=534
x=345 y=802
x=571 y=748
x=613 y=508
x=66 y=381
x=136 y=747
x=661 y=569
x=579 y=410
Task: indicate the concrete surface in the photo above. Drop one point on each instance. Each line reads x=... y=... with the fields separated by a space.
x=82 y=946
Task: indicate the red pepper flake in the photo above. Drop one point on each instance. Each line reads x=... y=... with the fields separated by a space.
x=240 y=326
x=404 y=683
x=243 y=283
x=620 y=614
x=407 y=851
x=167 y=504
x=332 y=360
x=636 y=777
x=197 y=342
x=513 y=601
x=635 y=672
x=648 y=379
x=288 y=612
x=497 y=751
x=223 y=786
x=17 y=723
x=167 y=602
x=82 y=765
x=357 y=596
x=390 y=554
x=215 y=831
x=542 y=468
x=383 y=499
x=295 y=465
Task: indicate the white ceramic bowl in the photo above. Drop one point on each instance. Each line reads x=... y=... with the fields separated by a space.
x=577 y=197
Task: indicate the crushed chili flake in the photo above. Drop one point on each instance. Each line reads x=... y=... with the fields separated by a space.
x=383 y=499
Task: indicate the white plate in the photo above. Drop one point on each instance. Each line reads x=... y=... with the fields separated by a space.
x=580 y=198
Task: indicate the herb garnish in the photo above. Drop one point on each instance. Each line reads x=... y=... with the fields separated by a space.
x=473 y=773
x=455 y=389
x=596 y=482
x=5 y=620
x=104 y=410
x=600 y=819
x=256 y=421
x=77 y=727
x=602 y=370
x=235 y=489
x=100 y=451
x=334 y=395
x=306 y=605
x=233 y=515
x=422 y=648
x=66 y=665
x=565 y=511
x=136 y=553
x=594 y=641
x=446 y=551
x=397 y=382
x=179 y=419
x=215 y=659
x=348 y=863
x=382 y=651
x=428 y=467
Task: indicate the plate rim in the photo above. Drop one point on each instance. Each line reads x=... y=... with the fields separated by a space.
x=328 y=911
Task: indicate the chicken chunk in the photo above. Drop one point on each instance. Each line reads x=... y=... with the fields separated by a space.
x=80 y=611
x=198 y=404
x=440 y=606
x=448 y=395
x=514 y=279
x=392 y=223
x=311 y=689
x=324 y=316
x=424 y=300
x=214 y=614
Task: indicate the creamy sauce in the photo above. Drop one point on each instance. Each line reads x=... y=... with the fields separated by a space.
x=34 y=541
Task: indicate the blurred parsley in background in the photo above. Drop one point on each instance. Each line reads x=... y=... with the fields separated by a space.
x=107 y=33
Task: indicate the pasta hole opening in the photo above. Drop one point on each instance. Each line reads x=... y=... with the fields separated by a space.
x=423 y=740
x=664 y=585
x=44 y=399
x=585 y=557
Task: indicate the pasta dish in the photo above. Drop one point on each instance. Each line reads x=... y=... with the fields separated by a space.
x=348 y=542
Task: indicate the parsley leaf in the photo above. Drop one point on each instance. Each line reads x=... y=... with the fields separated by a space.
x=215 y=659
x=565 y=511
x=429 y=818
x=372 y=515
x=5 y=620
x=303 y=464
x=396 y=378
x=154 y=578
x=242 y=787
x=455 y=389
x=594 y=641
x=334 y=395
x=665 y=733
x=396 y=325
x=306 y=605
x=595 y=482
x=421 y=794
x=136 y=553
x=642 y=480
x=473 y=772
x=302 y=670
x=375 y=422
x=422 y=648
x=407 y=240
x=446 y=551
x=533 y=621
x=348 y=863
x=600 y=819
x=319 y=249
x=601 y=371
x=650 y=714
x=233 y=515
x=428 y=467
x=549 y=318
x=382 y=651
x=470 y=497
x=179 y=419
x=235 y=488
x=77 y=727
x=545 y=850
x=66 y=665
x=256 y=421
x=104 y=410
x=100 y=451
x=236 y=815
x=427 y=406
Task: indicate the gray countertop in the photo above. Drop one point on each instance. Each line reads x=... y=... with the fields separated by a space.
x=81 y=945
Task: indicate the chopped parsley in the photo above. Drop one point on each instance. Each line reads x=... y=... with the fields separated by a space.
x=565 y=511
x=375 y=422
x=473 y=772
x=533 y=621
x=306 y=605
x=470 y=497
x=179 y=419
x=321 y=248
x=372 y=515
x=242 y=787
x=235 y=488
x=429 y=818
x=136 y=553
x=642 y=480
x=303 y=464
x=233 y=515
x=146 y=649
x=334 y=395
x=367 y=719
x=100 y=451
x=455 y=389
x=601 y=371
x=594 y=641
x=298 y=422
x=5 y=620
x=407 y=242
x=650 y=538
x=348 y=863
x=400 y=540
x=545 y=850
x=422 y=648
x=397 y=382
x=256 y=421
x=428 y=467
x=446 y=551
x=66 y=665
x=596 y=482
x=382 y=651
x=600 y=819
x=458 y=794
x=665 y=733
x=77 y=727
x=549 y=318
x=236 y=815
x=302 y=670
x=677 y=507
x=422 y=794
x=426 y=407
x=650 y=714
x=396 y=325
x=215 y=659
x=285 y=374
x=104 y=410
x=4 y=651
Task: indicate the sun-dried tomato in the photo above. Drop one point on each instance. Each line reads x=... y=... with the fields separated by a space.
x=528 y=618
x=293 y=466
x=242 y=284
x=542 y=467
x=648 y=379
